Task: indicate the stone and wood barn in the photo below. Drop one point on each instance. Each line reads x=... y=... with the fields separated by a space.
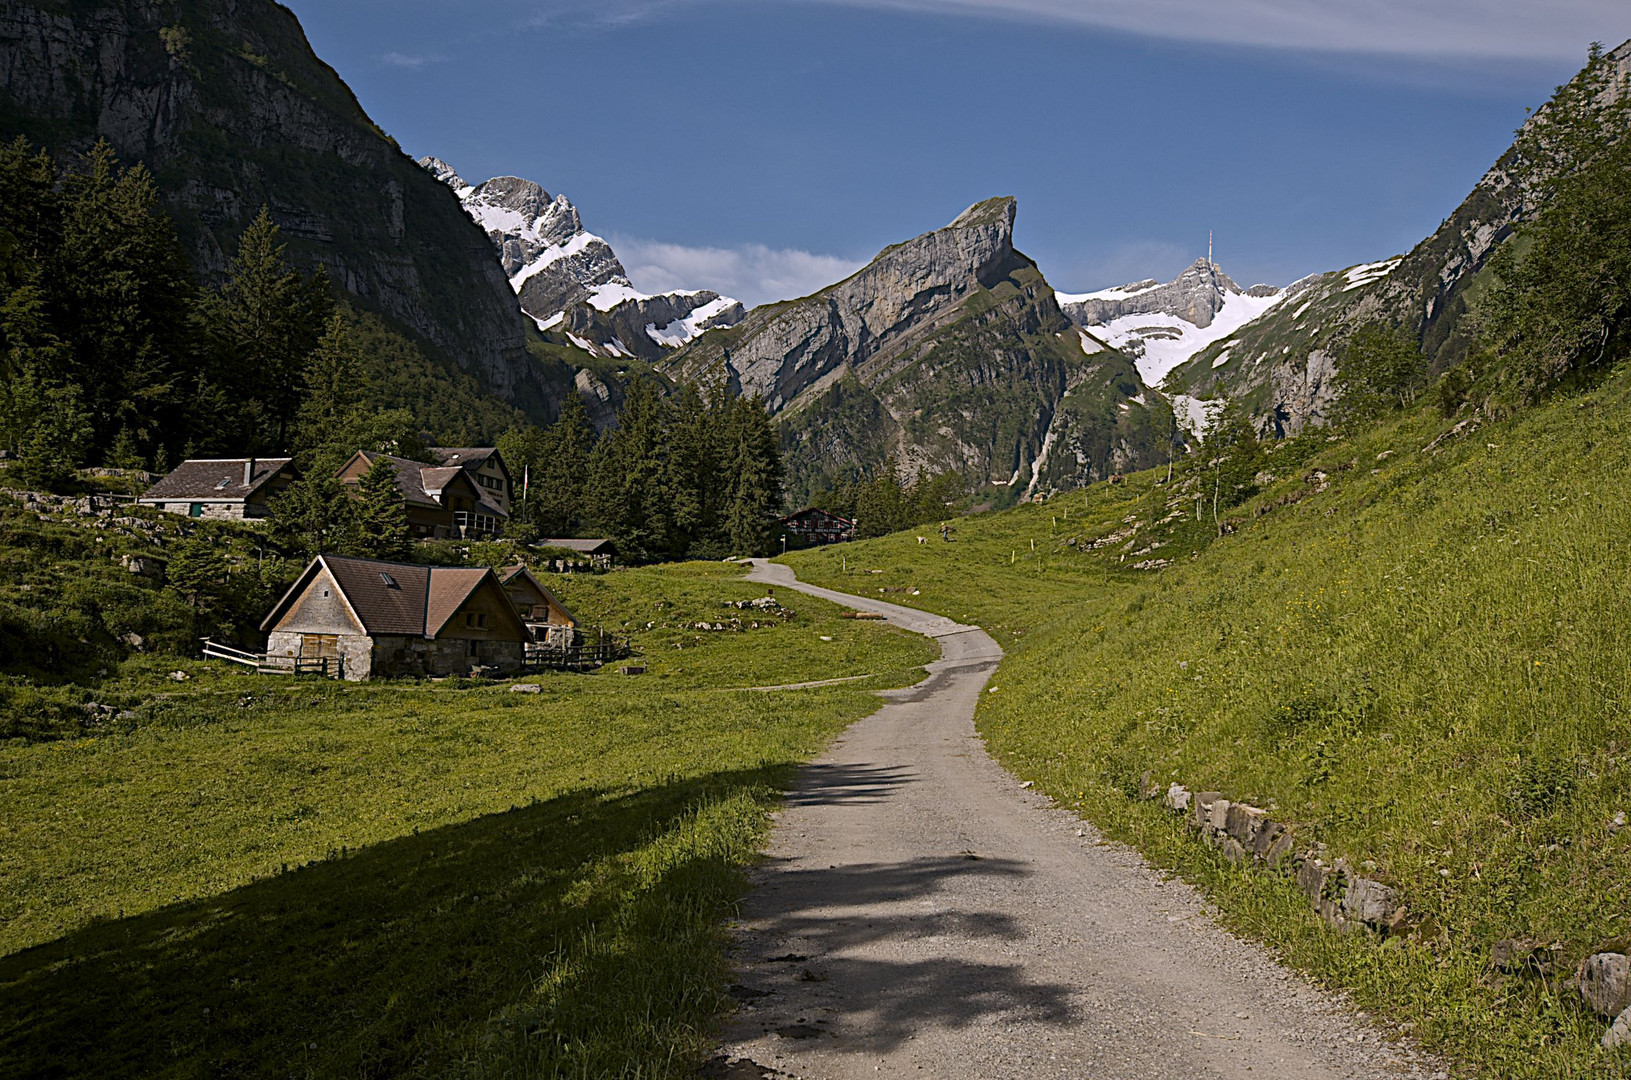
x=443 y=502
x=236 y=488
x=372 y=618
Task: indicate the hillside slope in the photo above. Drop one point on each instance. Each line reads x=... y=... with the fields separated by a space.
x=1411 y=646
x=229 y=107
x=945 y=353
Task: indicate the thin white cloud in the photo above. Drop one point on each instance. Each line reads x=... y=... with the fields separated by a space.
x=1468 y=29
x=408 y=60
x=753 y=273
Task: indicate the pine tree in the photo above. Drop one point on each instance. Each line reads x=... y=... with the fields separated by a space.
x=58 y=436
x=123 y=290
x=560 y=475
x=334 y=389
x=628 y=493
x=694 y=434
x=314 y=515
x=752 y=478
x=381 y=514
x=198 y=570
x=263 y=325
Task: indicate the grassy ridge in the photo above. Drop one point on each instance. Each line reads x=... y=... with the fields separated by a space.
x=265 y=876
x=1419 y=657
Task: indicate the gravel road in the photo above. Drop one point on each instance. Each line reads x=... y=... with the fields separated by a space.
x=922 y=914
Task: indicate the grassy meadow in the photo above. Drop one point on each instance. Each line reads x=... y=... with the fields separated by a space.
x=1420 y=658
x=264 y=876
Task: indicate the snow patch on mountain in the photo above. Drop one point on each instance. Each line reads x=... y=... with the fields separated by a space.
x=1162 y=325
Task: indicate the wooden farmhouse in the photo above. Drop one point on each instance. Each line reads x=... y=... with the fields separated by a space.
x=546 y=617
x=236 y=488
x=814 y=526
x=443 y=501
x=369 y=618
x=484 y=465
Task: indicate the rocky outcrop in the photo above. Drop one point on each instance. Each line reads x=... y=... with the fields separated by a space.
x=945 y=353
x=1196 y=295
x=567 y=278
x=226 y=103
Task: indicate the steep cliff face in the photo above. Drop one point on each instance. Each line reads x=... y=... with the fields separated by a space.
x=946 y=352
x=226 y=103
x=568 y=278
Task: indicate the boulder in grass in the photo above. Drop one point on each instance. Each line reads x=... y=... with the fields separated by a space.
x=1177 y=797
x=1619 y=1033
x=1604 y=980
x=526 y=688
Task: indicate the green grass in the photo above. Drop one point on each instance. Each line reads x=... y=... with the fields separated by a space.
x=263 y=876
x=1423 y=666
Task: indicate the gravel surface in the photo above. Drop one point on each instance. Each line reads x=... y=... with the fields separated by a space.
x=922 y=914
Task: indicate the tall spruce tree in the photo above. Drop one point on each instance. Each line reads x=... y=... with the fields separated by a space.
x=752 y=477
x=262 y=326
x=381 y=515
x=628 y=492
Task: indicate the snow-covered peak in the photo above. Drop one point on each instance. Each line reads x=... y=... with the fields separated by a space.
x=556 y=266
x=1162 y=325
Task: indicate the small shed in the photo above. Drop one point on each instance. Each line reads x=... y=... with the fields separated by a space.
x=815 y=526
x=546 y=617
x=235 y=488
x=601 y=552
x=368 y=618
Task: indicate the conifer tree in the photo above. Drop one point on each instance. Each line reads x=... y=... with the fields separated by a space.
x=561 y=473
x=381 y=515
x=314 y=515
x=628 y=493
x=752 y=478
x=263 y=324
x=58 y=436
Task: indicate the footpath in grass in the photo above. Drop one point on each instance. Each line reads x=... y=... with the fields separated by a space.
x=1419 y=658
x=262 y=876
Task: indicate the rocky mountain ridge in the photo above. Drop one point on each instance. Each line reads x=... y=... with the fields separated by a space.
x=567 y=278
x=945 y=353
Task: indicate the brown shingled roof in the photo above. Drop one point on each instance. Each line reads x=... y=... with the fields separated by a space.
x=392 y=597
x=215 y=478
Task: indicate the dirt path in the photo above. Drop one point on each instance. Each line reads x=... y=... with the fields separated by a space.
x=923 y=915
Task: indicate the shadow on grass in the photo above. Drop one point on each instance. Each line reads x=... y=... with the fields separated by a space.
x=548 y=937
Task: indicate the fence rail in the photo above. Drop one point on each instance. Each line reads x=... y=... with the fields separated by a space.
x=329 y=666
x=214 y=650
x=594 y=649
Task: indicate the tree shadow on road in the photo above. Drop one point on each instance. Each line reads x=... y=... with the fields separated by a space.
x=869 y=951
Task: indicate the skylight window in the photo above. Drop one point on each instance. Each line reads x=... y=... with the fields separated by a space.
x=388 y=579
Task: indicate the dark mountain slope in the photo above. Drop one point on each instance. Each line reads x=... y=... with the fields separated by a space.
x=226 y=103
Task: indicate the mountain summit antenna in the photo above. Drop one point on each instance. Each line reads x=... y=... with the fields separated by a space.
x=1209 y=261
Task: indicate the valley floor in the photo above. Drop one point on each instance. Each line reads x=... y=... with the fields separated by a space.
x=268 y=876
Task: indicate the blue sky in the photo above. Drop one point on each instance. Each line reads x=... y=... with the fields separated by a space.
x=764 y=148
